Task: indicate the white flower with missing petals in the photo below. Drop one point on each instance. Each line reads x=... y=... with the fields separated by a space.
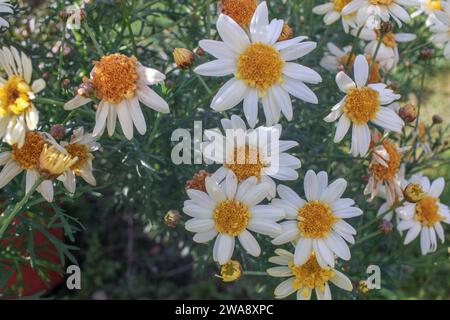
x=17 y=111
x=262 y=67
x=306 y=277
x=317 y=223
x=121 y=82
x=231 y=210
x=363 y=103
x=251 y=153
x=424 y=216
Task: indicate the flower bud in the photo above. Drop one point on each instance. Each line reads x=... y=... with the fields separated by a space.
x=385 y=226
x=413 y=193
x=286 y=33
x=198 y=181
x=172 y=218
x=385 y=27
x=408 y=113
x=230 y=271
x=65 y=83
x=184 y=58
x=437 y=119
x=58 y=131
x=426 y=53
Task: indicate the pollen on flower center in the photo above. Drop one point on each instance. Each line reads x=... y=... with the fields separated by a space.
x=310 y=275
x=316 y=219
x=231 y=217
x=340 y=4
x=381 y=2
x=246 y=162
x=388 y=39
x=115 y=77
x=240 y=11
x=385 y=173
x=260 y=66
x=427 y=211
x=15 y=96
x=80 y=151
x=28 y=155
x=362 y=104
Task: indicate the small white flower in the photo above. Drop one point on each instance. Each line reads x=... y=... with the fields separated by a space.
x=5 y=7
x=387 y=56
x=17 y=112
x=305 y=278
x=317 y=223
x=428 y=8
x=372 y=12
x=441 y=29
x=425 y=216
x=363 y=103
x=336 y=58
x=333 y=12
x=81 y=145
x=261 y=66
x=251 y=153
x=231 y=210
x=121 y=82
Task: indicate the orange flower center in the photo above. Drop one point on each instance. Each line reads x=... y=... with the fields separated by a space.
x=82 y=152
x=28 y=155
x=427 y=211
x=316 y=219
x=389 y=172
x=246 y=162
x=240 y=11
x=362 y=104
x=231 y=217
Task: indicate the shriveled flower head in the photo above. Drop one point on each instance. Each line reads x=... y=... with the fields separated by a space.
x=5 y=7
x=229 y=211
x=426 y=214
x=306 y=277
x=332 y=12
x=363 y=103
x=384 y=168
x=52 y=162
x=317 y=223
x=240 y=11
x=198 y=181
x=262 y=67
x=17 y=112
x=121 y=83
x=184 y=58
x=230 y=271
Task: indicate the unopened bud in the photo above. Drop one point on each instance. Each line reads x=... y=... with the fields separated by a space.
x=184 y=58
x=426 y=53
x=385 y=27
x=437 y=119
x=413 y=193
x=58 y=131
x=230 y=271
x=408 y=113
x=385 y=226
x=65 y=83
x=286 y=33
x=172 y=218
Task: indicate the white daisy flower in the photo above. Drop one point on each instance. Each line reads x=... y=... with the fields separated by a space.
x=441 y=29
x=387 y=56
x=228 y=211
x=428 y=8
x=17 y=112
x=333 y=12
x=81 y=145
x=336 y=59
x=424 y=217
x=387 y=208
x=306 y=277
x=121 y=82
x=384 y=169
x=317 y=223
x=363 y=103
x=251 y=153
x=261 y=66
x=5 y=7
x=26 y=159
x=372 y=12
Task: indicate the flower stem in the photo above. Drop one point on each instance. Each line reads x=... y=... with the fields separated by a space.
x=49 y=101
x=374 y=57
x=92 y=36
x=18 y=207
x=126 y=18
x=255 y=273
x=355 y=43
x=61 y=53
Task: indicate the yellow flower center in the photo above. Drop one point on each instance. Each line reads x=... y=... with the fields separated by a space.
x=260 y=66
x=82 y=152
x=115 y=77
x=310 y=275
x=240 y=11
x=381 y=2
x=386 y=173
x=434 y=5
x=388 y=39
x=340 y=4
x=28 y=155
x=247 y=162
x=362 y=104
x=427 y=211
x=315 y=220
x=374 y=77
x=414 y=193
x=14 y=96
x=231 y=217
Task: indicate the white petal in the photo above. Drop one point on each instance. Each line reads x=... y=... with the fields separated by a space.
x=249 y=243
x=361 y=70
x=231 y=93
x=232 y=34
x=125 y=119
x=152 y=100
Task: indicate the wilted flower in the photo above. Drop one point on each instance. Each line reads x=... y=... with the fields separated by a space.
x=230 y=271
x=408 y=113
x=52 y=162
x=198 y=181
x=183 y=57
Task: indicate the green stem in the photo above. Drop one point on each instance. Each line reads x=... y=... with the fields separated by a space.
x=92 y=36
x=49 y=101
x=61 y=53
x=368 y=237
x=203 y=83
x=355 y=43
x=255 y=273
x=374 y=57
x=126 y=18
x=18 y=207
